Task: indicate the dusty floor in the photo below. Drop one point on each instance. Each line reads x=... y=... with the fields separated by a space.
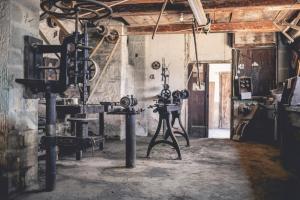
x=219 y=133
x=210 y=169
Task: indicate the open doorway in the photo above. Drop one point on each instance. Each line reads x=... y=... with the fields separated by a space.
x=219 y=100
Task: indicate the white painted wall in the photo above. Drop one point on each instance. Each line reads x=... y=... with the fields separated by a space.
x=211 y=47
x=178 y=51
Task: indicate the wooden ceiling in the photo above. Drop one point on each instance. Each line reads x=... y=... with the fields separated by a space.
x=226 y=15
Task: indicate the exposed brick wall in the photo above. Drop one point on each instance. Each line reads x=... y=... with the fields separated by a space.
x=18 y=116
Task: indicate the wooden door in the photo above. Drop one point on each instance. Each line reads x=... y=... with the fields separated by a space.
x=198 y=101
x=225 y=105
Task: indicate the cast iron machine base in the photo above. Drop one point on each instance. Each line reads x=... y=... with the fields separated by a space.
x=176 y=115
x=164 y=111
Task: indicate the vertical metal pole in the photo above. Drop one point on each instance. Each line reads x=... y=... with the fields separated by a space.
x=85 y=68
x=196 y=52
x=50 y=140
x=81 y=133
x=130 y=141
x=76 y=33
x=101 y=131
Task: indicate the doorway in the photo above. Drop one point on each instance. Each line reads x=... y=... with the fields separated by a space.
x=219 y=100
x=198 y=100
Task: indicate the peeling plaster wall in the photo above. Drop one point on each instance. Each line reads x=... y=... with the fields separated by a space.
x=18 y=141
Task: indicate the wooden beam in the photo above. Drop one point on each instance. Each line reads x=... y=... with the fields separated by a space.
x=236 y=4
x=140 y=1
x=144 y=7
x=215 y=3
x=261 y=26
x=148 y=9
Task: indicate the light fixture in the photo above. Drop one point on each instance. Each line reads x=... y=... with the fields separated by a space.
x=181 y=17
x=198 y=12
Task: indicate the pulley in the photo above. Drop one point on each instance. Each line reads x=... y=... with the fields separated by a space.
x=72 y=9
x=184 y=94
x=165 y=94
x=155 y=65
x=112 y=37
x=176 y=94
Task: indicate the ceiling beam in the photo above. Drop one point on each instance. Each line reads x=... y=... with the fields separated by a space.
x=139 y=1
x=261 y=26
x=144 y=7
x=215 y=3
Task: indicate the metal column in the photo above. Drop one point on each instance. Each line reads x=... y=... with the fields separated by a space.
x=101 y=131
x=130 y=140
x=50 y=140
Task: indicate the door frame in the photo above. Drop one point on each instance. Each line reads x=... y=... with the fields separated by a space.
x=231 y=63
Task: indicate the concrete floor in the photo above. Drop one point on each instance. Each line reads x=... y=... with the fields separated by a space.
x=211 y=169
x=219 y=133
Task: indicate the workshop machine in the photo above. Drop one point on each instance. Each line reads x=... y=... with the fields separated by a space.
x=73 y=70
x=168 y=108
x=126 y=107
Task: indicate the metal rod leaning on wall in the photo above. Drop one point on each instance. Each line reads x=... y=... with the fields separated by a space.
x=103 y=72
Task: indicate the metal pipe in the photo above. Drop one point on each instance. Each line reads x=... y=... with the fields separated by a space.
x=50 y=140
x=76 y=49
x=81 y=133
x=101 y=131
x=85 y=68
x=130 y=141
x=196 y=52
